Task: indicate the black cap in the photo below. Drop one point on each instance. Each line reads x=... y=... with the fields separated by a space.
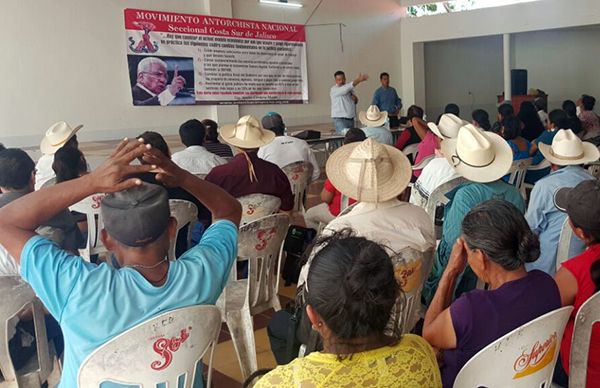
x=581 y=203
x=273 y=120
x=137 y=216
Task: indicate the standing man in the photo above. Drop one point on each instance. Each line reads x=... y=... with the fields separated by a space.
x=387 y=100
x=343 y=101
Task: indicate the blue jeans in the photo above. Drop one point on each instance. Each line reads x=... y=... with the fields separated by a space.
x=341 y=123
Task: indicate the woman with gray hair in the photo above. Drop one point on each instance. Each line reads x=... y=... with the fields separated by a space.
x=496 y=242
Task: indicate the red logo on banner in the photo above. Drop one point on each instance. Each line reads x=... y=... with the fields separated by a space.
x=165 y=347
x=145 y=45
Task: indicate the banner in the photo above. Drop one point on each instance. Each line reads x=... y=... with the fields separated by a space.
x=182 y=59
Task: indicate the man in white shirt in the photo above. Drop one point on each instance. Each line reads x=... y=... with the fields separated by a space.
x=151 y=87
x=57 y=136
x=284 y=150
x=195 y=158
x=343 y=101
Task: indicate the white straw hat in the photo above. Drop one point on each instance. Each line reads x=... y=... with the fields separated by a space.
x=369 y=171
x=373 y=117
x=247 y=133
x=448 y=127
x=478 y=156
x=56 y=136
x=567 y=149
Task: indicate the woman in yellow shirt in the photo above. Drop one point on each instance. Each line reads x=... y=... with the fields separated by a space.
x=351 y=293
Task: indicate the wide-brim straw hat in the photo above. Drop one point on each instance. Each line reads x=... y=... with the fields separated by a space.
x=448 y=127
x=248 y=133
x=478 y=156
x=57 y=136
x=373 y=117
x=567 y=150
x=369 y=171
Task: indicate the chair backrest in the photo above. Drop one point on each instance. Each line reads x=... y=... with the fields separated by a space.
x=421 y=165
x=525 y=357
x=411 y=151
x=261 y=243
x=299 y=174
x=185 y=213
x=438 y=195
x=564 y=243
x=255 y=206
x=540 y=166
x=17 y=296
x=594 y=169
x=517 y=173
x=90 y=206
x=158 y=350
x=347 y=209
x=588 y=314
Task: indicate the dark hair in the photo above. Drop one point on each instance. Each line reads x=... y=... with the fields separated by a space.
x=530 y=118
x=452 y=108
x=351 y=285
x=339 y=72
x=69 y=163
x=541 y=104
x=595 y=275
x=414 y=111
x=498 y=229
x=354 y=135
x=16 y=168
x=570 y=108
x=192 y=133
x=482 y=118
x=2 y=148
x=212 y=130
x=72 y=142
x=588 y=102
x=383 y=75
x=156 y=141
x=559 y=118
x=593 y=234
x=511 y=128
x=506 y=110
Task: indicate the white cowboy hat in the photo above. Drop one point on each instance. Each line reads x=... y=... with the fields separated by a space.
x=56 y=136
x=478 y=156
x=369 y=171
x=448 y=127
x=567 y=149
x=247 y=133
x=373 y=117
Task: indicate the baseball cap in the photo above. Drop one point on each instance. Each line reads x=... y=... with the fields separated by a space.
x=272 y=120
x=581 y=203
x=136 y=216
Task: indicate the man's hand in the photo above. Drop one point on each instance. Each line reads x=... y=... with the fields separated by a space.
x=458 y=258
x=177 y=83
x=167 y=172
x=354 y=98
x=361 y=78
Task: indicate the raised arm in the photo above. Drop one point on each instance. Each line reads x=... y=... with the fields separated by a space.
x=420 y=127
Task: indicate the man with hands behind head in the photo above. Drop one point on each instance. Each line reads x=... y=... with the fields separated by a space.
x=94 y=303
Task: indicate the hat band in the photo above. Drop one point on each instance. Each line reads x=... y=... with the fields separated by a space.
x=363 y=164
x=460 y=160
x=235 y=128
x=563 y=157
x=374 y=118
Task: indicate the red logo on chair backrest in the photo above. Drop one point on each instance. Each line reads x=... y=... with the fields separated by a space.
x=540 y=355
x=96 y=200
x=264 y=236
x=165 y=347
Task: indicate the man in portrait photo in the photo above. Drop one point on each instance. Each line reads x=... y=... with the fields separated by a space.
x=151 y=87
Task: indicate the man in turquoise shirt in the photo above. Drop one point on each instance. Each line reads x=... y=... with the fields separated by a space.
x=94 y=303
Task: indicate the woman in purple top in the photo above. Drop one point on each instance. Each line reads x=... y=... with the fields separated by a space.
x=496 y=243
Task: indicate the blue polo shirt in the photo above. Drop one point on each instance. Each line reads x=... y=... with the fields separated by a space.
x=386 y=99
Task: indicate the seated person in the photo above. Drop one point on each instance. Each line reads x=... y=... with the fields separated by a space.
x=57 y=136
x=566 y=154
x=496 y=243
x=532 y=126
x=331 y=206
x=137 y=230
x=590 y=122
x=481 y=120
x=69 y=163
x=452 y=108
x=195 y=158
x=511 y=132
x=246 y=173
x=376 y=125
x=352 y=291
x=579 y=278
x=557 y=119
x=483 y=158
x=211 y=141
x=410 y=135
x=570 y=109
x=285 y=150
x=505 y=110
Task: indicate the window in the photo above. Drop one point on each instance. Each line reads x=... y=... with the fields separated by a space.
x=456 y=6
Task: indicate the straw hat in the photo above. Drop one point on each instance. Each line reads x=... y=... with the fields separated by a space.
x=369 y=171
x=373 y=117
x=478 y=156
x=567 y=149
x=448 y=127
x=247 y=133
x=56 y=136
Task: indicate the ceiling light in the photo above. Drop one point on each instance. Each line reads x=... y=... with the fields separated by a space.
x=284 y=3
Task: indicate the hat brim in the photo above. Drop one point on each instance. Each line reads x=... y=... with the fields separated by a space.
x=497 y=169
x=590 y=154
x=49 y=149
x=437 y=131
x=227 y=133
x=362 y=117
x=385 y=190
x=561 y=198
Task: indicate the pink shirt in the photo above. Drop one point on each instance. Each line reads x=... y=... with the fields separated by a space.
x=426 y=148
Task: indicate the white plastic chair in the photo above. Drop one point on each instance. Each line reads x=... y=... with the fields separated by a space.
x=261 y=244
x=438 y=195
x=90 y=206
x=588 y=314
x=185 y=213
x=517 y=174
x=299 y=174
x=255 y=206
x=594 y=169
x=421 y=165
x=18 y=297
x=564 y=243
x=525 y=357
x=544 y=164
x=158 y=350
x=411 y=151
